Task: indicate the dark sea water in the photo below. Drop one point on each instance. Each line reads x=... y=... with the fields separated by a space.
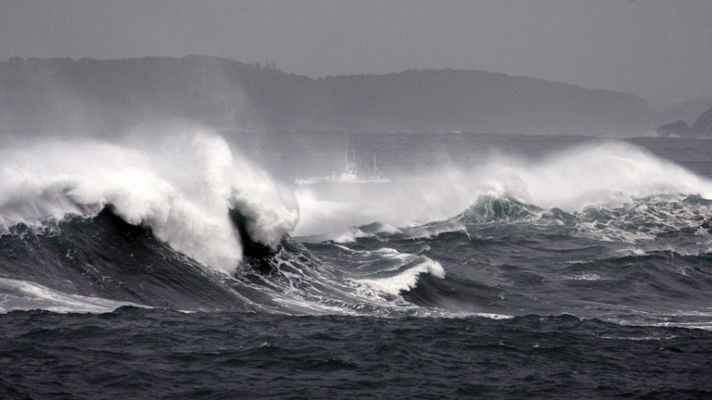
x=490 y=267
x=134 y=353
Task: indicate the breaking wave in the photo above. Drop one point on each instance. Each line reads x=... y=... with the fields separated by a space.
x=181 y=187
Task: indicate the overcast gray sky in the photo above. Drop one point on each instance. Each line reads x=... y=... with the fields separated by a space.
x=658 y=49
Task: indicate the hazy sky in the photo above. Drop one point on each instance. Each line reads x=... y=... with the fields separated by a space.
x=658 y=49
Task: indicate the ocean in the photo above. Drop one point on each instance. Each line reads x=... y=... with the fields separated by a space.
x=186 y=263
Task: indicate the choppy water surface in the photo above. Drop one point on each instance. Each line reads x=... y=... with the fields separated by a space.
x=490 y=266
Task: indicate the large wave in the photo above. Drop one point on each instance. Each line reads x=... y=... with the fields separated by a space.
x=180 y=186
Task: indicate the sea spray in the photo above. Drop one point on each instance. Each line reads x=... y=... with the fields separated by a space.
x=608 y=174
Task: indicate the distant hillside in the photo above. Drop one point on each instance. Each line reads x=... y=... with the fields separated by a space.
x=110 y=95
x=687 y=111
x=701 y=128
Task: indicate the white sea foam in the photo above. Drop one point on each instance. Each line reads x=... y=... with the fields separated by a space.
x=404 y=280
x=180 y=185
x=23 y=295
x=585 y=277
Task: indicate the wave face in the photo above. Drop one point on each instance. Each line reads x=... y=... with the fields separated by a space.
x=604 y=231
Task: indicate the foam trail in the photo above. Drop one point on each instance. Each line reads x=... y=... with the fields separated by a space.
x=22 y=295
x=181 y=186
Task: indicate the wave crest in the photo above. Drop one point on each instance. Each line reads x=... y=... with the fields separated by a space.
x=640 y=219
x=181 y=186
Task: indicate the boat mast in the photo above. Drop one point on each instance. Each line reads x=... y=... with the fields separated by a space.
x=346 y=155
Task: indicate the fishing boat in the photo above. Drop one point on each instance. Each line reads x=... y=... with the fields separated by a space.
x=349 y=175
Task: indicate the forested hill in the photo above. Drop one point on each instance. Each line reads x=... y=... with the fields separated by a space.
x=111 y=95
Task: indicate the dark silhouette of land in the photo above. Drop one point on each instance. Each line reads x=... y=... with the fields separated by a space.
x=700 y=128
x=113 y=95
